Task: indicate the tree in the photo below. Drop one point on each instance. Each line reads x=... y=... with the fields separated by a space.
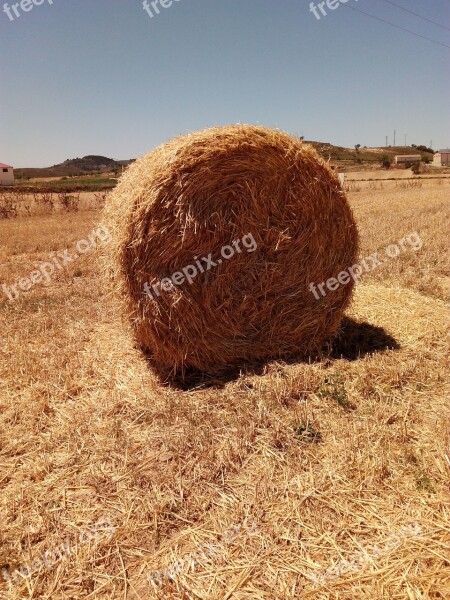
x=386 y=161
x=424 y=149
x=357 y=147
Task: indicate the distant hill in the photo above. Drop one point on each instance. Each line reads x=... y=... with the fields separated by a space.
x=76 y=167
x=348 y=158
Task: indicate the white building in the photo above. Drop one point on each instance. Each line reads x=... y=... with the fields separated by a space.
x=407 y=158
x=441 y=158
x=6 y=174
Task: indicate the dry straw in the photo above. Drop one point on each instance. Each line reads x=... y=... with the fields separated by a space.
x=194 y=195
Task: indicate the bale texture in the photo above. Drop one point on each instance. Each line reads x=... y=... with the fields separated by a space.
x=181 y=204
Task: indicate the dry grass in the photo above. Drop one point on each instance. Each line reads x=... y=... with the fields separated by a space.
x=378 y=174
x=387 y=215
x=327 y=458
x=18 y=203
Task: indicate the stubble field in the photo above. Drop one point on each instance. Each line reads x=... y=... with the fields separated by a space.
x=341 y=466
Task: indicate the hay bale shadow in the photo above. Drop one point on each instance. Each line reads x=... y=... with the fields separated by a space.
x=353 y=341
x=191 y=378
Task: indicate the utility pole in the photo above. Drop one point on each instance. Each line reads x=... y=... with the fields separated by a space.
x=394 y=137
x=386 y=141
x=405 y=138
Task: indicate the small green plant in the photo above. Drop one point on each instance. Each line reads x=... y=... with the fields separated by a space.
x=424 y=483
x=408 y=184
x=352 y=187
x=8 y=209
x=69 y=203
x=376 y=185
x=306 y=432
x=333 y=387
x=45 y=200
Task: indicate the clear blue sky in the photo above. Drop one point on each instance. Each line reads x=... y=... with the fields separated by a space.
x=101 y=77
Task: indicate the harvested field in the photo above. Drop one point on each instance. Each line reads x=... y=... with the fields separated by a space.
x=341 y=467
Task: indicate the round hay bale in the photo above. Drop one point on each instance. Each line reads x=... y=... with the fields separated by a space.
x=216 y=238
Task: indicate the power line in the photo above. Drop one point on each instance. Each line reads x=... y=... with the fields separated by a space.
x=416 y=14
x=396 y=26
